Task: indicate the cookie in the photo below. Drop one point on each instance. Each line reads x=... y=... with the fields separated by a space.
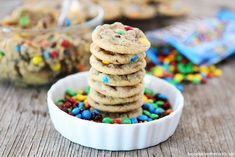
x=121 y=108
x=100 y=98
x=173 y=9
x=118 y=80
x=131 y=114
x=115 y=58
x=112 y=9
x=119 y=38
x=120 y=92
x=114 y=69
x=139 y=12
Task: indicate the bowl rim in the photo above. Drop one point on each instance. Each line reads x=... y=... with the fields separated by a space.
x=88 y=122
x=87 y=24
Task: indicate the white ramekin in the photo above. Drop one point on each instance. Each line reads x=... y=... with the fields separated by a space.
x=114 y=136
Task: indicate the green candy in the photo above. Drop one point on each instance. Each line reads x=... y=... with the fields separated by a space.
x=87 y=90
x=160 y=103
x=120 y=32
x=69 y=110
x=147 y=113
x=196 y=81
x=126 y=121
x=154 y=105
x=179 y=58
x=70 y=92
x=24 y=21
x=2 y=53
x=59 y=102
x=153 y=116
x=148 y=91
x=107 y=120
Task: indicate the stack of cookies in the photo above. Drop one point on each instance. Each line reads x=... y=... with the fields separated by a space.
x=117 y=70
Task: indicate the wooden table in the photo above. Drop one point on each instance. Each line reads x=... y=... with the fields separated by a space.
x=207 y=125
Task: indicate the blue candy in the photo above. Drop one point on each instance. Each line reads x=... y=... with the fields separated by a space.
x=86 y=114
x=76 y=111
x=151 y=54
x=81 y=105
x=96 y=112
x=18 y=48
x=149 y=119
x=46 y=55
x=143 y=118
x=159 y=111
x=134 y=59
x=151 y=109
x=79 y=116
x=145 y=106
x=180 y=87
x=105 y=79
x=161 y=96
x=134 y=120
x=67 y=22
x=166 y=51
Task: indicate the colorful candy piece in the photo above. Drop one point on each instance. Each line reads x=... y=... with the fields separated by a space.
x=105 y=62
x=24 y=21
x=134 y=120
x=18 y=48
x=134 y=59
x=105 y=79
x=76 y=111
x=120 y=32
x=107 y=120
x=67 y=22
x=37 y=60
x=56 y=67
x=86 y=114
x=126 y=121
x=143 y=118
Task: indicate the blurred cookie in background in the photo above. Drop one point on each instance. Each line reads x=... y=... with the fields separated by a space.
x=173 y=9
x=135 y=11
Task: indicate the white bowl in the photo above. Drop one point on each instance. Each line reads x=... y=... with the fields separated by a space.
x=114 y=136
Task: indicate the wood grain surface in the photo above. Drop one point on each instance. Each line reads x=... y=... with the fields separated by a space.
x=207 y=126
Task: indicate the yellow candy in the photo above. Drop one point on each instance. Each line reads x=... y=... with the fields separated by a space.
x=171 y=68
x=189 y=77
x=105 y=62
x=166 y=61
x=197 y=77
x=196 y=68
x=212 y=68
x=217 y=72
x=204 y=70
x=158 y=71
x=81 y=97
x=85 y=101
x=146 y=100
x=56 y=67
x=37 y=60
x=178 y=77
x=144 y=41
x=79 y=91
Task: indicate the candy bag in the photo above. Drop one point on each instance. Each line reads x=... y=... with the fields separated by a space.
x=204 y=41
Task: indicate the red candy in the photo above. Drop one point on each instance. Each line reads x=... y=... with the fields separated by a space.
x=54 y=54
x=117 y=121
x=65 y=43
x=127 y=28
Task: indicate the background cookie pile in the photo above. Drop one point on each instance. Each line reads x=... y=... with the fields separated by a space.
x=36 y=51
x=142 y=9
x=116 y=76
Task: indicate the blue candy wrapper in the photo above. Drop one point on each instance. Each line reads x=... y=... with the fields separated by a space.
x=203 y=41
